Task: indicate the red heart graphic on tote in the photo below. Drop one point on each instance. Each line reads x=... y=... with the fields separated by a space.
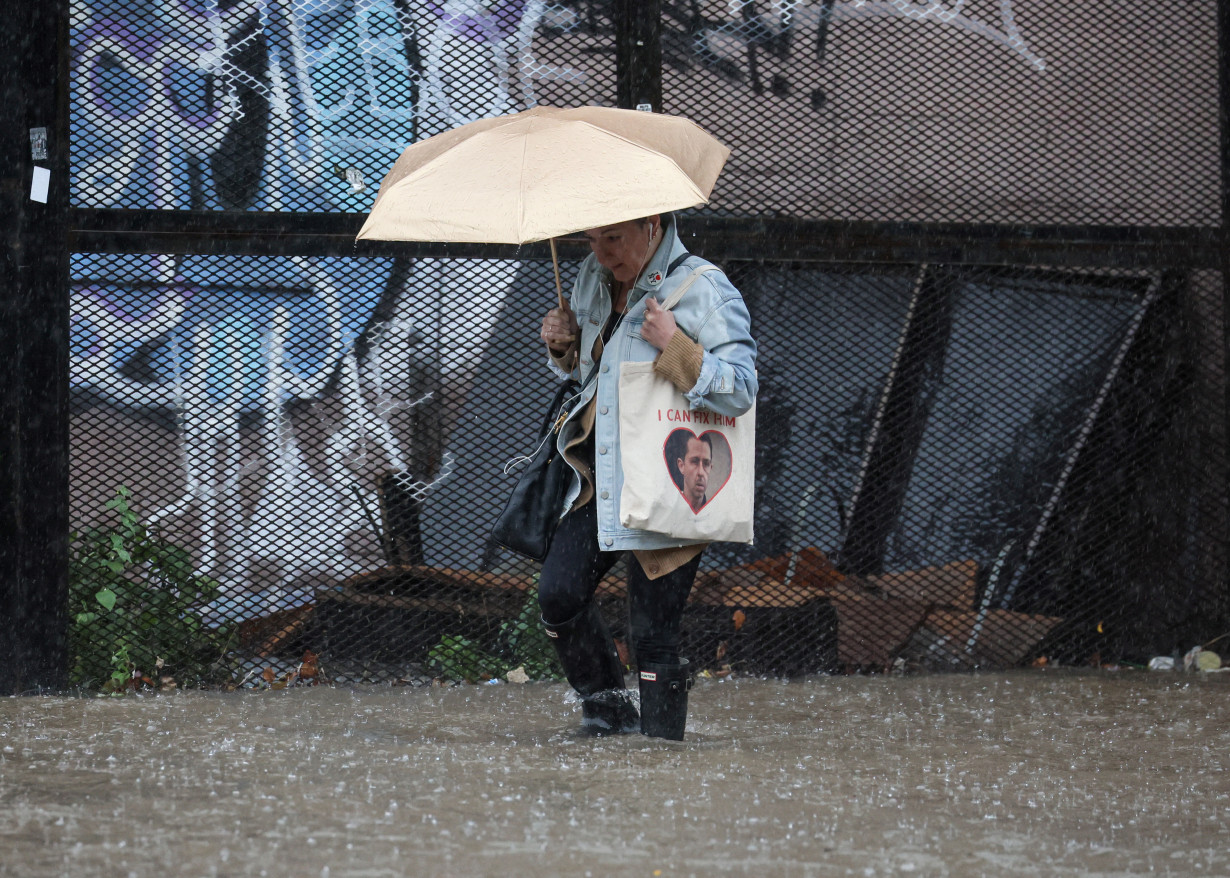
x=699 y=466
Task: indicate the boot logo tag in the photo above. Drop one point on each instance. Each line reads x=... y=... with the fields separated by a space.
x=650 y=676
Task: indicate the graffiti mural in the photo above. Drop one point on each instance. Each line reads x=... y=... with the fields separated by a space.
x=287 y=400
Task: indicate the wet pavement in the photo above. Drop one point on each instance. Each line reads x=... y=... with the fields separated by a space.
x=1035 y=773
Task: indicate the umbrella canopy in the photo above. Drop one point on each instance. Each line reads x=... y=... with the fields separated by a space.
x=542 y=173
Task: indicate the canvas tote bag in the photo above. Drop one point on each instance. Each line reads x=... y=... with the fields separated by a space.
x=688 y=474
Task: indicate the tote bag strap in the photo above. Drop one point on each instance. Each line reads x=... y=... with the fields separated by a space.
x=673 y=299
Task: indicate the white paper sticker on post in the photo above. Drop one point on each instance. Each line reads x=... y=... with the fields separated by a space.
x=40 y=184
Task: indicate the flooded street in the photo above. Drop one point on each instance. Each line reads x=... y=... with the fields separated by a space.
x=1029 y=773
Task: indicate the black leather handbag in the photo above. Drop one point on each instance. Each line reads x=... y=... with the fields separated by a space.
x=527 y=524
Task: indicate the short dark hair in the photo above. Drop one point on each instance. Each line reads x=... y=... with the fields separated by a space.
x=703 y=437
x=676 y=447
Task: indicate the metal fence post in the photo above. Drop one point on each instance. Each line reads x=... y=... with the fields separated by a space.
x=1223 y=124
x=638 y=53
x=34 y=333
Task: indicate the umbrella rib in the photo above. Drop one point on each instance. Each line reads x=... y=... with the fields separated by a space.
x=521 y=187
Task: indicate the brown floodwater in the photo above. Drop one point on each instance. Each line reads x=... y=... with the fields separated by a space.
x=1035 y=773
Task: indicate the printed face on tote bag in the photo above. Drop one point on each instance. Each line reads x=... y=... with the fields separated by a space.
x=698 y=465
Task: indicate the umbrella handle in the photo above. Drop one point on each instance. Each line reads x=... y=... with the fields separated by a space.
x=559 y=288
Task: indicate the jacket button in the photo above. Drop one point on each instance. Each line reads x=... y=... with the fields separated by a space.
x=594 y=321
x=605 y=495
x=606 y=369
x=609 y=541
x=653 y=568
x=602 y=450
x=604 y=410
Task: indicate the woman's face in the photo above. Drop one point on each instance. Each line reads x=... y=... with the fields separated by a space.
x=624 y=248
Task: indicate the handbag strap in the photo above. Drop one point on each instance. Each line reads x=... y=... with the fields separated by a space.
x=566 y=398
x=566 y=394
x=673 y=299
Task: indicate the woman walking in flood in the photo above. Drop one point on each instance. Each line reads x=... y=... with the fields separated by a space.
x=705 y=349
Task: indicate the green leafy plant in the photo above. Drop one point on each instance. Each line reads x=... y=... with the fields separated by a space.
x=528 y=645
x=135 y=602
x=521 y=643
x=459 y=658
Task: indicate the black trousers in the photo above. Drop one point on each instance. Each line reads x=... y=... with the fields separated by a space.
x=575 y=565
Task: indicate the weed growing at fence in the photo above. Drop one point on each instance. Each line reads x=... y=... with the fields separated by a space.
x=135 y=618
x=521 y=644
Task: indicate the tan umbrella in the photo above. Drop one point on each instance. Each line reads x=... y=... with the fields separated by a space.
x=542 y=173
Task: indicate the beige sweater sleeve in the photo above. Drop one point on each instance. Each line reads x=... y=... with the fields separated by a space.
x=566 y=361
x=681 y=361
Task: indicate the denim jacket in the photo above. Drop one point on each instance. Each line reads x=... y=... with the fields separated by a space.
x=712 y=313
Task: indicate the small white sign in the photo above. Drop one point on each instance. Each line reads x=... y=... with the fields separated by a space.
x=40 y=184
x=645 y=108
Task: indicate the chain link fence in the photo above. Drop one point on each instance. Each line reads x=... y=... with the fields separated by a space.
x=959 y=465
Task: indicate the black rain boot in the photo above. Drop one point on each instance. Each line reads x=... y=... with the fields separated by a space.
x=664 y=699
x=591 y=664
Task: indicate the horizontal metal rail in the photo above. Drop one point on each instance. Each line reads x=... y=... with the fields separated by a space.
x=715 y=237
